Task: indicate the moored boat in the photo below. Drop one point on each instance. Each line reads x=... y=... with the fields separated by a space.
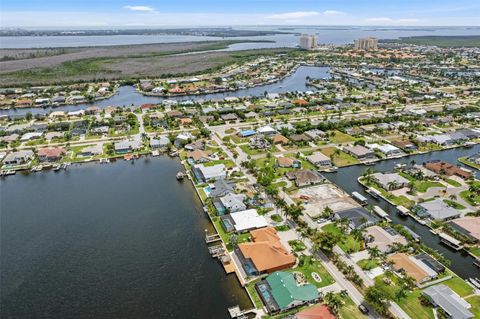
x=180 y=176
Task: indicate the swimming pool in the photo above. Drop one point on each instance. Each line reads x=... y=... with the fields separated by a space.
x=227 y=224
x=207 y=190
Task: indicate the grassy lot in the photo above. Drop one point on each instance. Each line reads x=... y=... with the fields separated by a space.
x=349 y=244
x=452 y=182
x=453 y=204
x=412 y=306
x=249 y=151
x=421 y=185
x=227 y=163
x=340 y=159
x=311 y=265
x=254 y=295
x=367 y=264
x=474 y=200
x=458 y=285
x=475 y=251
x=297 y=245
x=397 y=200
x=475 y=302
x=464 y=160
x=282 y=228
x=276 y=218
x=350 y=311
x=340 y=137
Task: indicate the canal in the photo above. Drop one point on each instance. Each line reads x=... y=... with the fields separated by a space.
x=346 y=178
x=128 y=96
x=109 y=241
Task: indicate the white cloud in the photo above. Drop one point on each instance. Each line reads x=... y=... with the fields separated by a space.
x=140 y=8
x=294 y=15
x=333 y=13
x=390 y=21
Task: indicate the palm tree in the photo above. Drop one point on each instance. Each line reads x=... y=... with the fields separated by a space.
x=392 y=185
x=374 y=252
x=452 y=197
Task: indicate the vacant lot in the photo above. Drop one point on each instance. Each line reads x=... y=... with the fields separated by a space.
x=117 y=62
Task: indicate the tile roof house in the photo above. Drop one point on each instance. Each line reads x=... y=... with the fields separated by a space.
x=321 y=311
x=198 y=156
x=265 y=253
x=468 y=226
x=285 y=292
x=402 y=262
x=305 y=177
x=280 y=139
x=50 y=154
x=382 y=239
x=283 y=161
x=445 y=298
x=448 y=169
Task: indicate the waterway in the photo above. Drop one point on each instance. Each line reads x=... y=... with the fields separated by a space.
x=346 y=178
x=109 y=241
x=325 y=35
x=127 y=96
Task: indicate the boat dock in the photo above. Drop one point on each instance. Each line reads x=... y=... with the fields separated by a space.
x=450 y=241
x=383 y=214
x=236 y=312
x=212 y=238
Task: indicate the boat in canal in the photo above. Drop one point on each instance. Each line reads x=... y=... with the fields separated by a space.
x=7 y=172
x=180 y=176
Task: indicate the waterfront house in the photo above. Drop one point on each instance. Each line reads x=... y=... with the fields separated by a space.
x=304 y=177
x=233 y=203
x=383 y=239
x=407 y=146
x=390 y=181
x=444 y=168
x=358 y=217
x=467 y=226
x=319 y=159
x=431 y=263
x=198 y=156
x=359 y=152
x=410 y=266
x=246 y=220
x=18 y=157
x=265 y=253
x=280 y=291
x=436 y=210
x=162 y=142
x=92 y=150
x=124 y=147
x=221 y=187
x=206 y=173
x=50 y=154
x=445 y=298
x=387 y=149
x=197 y=145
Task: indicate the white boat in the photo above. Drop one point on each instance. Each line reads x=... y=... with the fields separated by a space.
x=57 y=167
x=104 y=161
x=180 y=176
x=7 y=172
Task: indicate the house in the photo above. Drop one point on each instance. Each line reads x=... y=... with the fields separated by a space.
x=285 y=162
x=18 y=158
x=125 y=146
x=229 y=117
x=265 y=253
x=383 y=239
x=448 y=169
x=407 y=146
x=247 y=133
x=197 y=145
x=445 y=298
x=221 y=187
x=247 y=220
x=437 y=210
x=162 y=142
x=31 y=136
x=53 y=135
x=298 y=138
x=304 y=177
x=198 y=156
x=319 y=311
x=206 y=173
x=92 y=150
x=431 y=263
x=359 y=152
x=319 y=159
x=280 y=291
x=357 y=217
x=387 y=149
x=266 y=130
x=467 y=226
x=233 y=203
x=408 y=265
x=280 y=139
x=315 y=134
x=50 y=154
x=390 y=181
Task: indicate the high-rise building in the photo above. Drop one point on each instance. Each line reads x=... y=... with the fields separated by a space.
x=366 y=44
x=308 y=42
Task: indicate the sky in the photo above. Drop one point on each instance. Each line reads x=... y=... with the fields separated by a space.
x=161 y=13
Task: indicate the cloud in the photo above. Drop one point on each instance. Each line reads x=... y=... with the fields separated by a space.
x=385 y=20
x=294 y=15
x=140 y=8
x=333 y=13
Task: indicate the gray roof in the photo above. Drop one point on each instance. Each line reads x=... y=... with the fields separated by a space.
x=445 y=298
x=437 y=209
x=358 y=217
x=222 y=187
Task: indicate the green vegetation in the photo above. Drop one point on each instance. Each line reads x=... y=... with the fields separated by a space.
x=339 y=158
x=297 y=245
x=475 y=302
x=413 y=307
x=368 y=264
x=421 y=185
x=453 y=204
x=338 y=137
x=282 y=228
x=458 y=285
x=441 y=40
x=349 y=243
x=350 y=310
x=308 y=265
x=475 y=251
x=464 y=160
x=254 y=295
x=276 y=218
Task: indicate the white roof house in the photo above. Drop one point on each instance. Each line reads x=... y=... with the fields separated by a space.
x=206 y=173
x=266 y=130
x=247 y=220
x=386 y=149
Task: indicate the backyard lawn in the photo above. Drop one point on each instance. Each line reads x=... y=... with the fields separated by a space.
x=475 y=251
x=310 y=266
x=459 y=285
x=340 y=159
x=350 y=310
x=421 y=185
x=413 y=307
x=254 y=295
x=475 y=302
x=349 y=244
x=368 y=264
x=340 y=137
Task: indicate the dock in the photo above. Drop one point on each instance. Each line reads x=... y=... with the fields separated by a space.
x=236 y=312
x=383 y=214
x=212 y=238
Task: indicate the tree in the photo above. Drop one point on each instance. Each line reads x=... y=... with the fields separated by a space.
x=294 y=211
x=374 y=252
x=325 y=241
x=334 y=301
x=327 y=212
